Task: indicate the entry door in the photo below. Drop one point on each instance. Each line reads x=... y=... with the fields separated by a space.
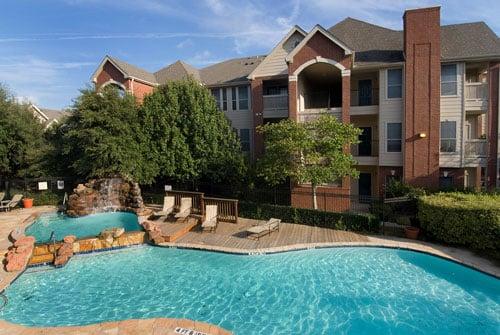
x=365 y=142
x=364 y=186
x=365 y=92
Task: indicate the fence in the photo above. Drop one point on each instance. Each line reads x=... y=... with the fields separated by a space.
x=196 y=197
x=227 y=209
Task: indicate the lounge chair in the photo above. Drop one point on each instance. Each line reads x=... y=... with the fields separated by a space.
x=7 y=205
x=264 y=228
x=185 y=208
x=2 y=196
x=168 y=207
x=210 y=222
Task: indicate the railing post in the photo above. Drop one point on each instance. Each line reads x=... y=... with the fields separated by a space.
x=236 y=211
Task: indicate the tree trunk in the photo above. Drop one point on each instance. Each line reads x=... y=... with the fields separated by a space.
x=315 y=200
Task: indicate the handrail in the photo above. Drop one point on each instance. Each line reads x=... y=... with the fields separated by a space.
x=5 y=300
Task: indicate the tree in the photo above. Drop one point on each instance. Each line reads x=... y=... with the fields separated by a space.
x=22 y=142
x=312 y=152
x=103 y=137
x=189 y=137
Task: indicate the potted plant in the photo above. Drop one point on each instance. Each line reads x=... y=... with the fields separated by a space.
x=411 y=231
x=28 y=200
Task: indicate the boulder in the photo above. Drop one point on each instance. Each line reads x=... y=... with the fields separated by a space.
x=69 y=239
x=117 y=232
x=16 y=234
x=24 y=240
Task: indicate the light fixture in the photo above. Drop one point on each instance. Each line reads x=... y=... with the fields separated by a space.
x=393 y=172
x=422 y=135
x=445 y=174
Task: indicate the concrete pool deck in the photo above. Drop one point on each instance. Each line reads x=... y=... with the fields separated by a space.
x=229 y=237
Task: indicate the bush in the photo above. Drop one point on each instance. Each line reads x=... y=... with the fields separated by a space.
x=470 y=220
x=311 y=217
x=47 y=198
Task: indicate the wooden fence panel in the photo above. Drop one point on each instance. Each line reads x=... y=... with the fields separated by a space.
x=227 y=209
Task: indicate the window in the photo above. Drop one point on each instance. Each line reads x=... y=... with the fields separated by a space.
x=245 y=139
x=394 y=137
x=216 y=94
x=233 y=98
x=446 y=183
x=448 y=79
x=448 y=136
x=243 y=97
x=394 y=83
x=224 y=99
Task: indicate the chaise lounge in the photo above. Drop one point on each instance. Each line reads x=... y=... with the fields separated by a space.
x=210 y=222
x=264 y=228
x=168 y=208
x=185 y=208
x=7 y=205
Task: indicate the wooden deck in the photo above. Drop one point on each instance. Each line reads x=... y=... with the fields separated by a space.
x=232 y=235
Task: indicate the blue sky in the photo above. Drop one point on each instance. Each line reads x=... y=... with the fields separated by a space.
x=50 y=48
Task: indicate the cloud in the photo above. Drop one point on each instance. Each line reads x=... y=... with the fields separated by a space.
x=187 y=43
x=202 y=59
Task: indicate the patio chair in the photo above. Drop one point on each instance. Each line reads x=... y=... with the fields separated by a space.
x=264 y=228
x=2 y=196
x=185 y=208
x=210 y=222
x=168 y=207
x=7 y=205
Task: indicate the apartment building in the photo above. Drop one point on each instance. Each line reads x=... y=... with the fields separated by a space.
x=426 y=97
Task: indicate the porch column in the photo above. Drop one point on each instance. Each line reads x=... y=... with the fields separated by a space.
x=346 y=104
x=292 y=98
x=258 y=116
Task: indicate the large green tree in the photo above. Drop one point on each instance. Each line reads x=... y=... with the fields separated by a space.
x=189 y=137
x=22 y=142
x=103 y=137
x=311 y=152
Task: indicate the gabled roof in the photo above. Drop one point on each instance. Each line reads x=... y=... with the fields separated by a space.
x=128 y=70
x=469 y=40
x=176 y=71
x=327 y=34
x=48 y=116
x=230 y=71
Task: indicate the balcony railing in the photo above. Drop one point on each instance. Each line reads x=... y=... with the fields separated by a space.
x=275 y=102
x=366 y=100
x=476 y=148
x=369 y=149
x=476 y=91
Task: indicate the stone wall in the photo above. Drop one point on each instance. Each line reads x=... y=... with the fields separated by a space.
x=104 y=195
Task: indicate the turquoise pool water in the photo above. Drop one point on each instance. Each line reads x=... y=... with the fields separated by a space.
x=323 y=291
x=85 y=226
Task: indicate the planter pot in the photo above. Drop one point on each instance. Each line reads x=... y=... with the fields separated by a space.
x=412 y=232
x=27 y=202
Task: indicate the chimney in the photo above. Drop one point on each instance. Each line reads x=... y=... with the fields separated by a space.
x=422 y=49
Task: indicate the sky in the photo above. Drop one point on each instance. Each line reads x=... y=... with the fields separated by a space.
x=50 y=48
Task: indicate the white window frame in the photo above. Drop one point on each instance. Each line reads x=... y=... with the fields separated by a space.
x=234 y=98
x=387 y=139
x=238 y=97
x=456 y=81
x=387 y=83
x=224 y=89
x=456 y=137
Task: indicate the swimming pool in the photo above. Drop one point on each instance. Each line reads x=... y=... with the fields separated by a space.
x=85 y=226
x=322 y=291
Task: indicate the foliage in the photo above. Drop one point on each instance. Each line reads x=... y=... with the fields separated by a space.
x=471 y=220
x=311 y=152
x=188 y=136
x=22 y=142
x=396 y=188
x=341 y=221
x=103 y=137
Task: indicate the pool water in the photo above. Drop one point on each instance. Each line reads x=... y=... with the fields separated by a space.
x=85 y=226
x=322 y=291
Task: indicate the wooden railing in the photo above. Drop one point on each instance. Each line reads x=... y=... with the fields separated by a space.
x=198 y=206
x=476 y=148
x=275 y=102
x=227 y=209
x=476 y=91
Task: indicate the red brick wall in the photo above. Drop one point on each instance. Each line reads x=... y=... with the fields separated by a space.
x=492 y=167
x=292 y=100
x=257 y=88
x=422 y=96
x=333 y=199
x=383 y=172
x=140 y=90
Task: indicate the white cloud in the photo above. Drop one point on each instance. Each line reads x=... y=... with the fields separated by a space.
x=187 y=43
x=203 y=58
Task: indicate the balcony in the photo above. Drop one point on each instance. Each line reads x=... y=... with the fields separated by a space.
x=366 y=152
x=476 y=96
x=476 y=148
x=275 y=106
x=364 y=102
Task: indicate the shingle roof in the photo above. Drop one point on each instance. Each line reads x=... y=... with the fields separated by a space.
x=54 y=114
x=230 y=71
x=176 y=71
x=378 y=45
x=133 y=71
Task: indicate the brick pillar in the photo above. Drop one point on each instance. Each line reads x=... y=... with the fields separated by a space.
x=492 y=125
x=258 y=116
x=346 y=104
x=422 y=48
x=292 y=98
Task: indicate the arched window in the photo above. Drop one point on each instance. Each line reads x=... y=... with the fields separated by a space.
x=116 y=85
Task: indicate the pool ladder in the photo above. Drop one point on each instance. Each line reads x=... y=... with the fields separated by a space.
x=5 y=300
x=53 y=240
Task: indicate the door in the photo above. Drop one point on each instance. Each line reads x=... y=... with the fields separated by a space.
x=364 y=92
x=365 y=142
x=364 y=186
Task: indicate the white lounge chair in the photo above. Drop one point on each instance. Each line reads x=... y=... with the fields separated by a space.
x=264 y=228
x=185 y=208
x=168 y=207
x=7 y=205
x=210 y=222
x=2 y=196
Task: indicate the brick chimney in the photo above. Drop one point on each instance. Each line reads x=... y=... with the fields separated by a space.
x=422 y=48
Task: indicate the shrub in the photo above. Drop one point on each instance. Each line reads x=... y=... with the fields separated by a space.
x=47 y=198
x=311 y=217
x=471 y=220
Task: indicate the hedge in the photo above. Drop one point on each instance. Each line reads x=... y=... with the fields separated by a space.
x=470 y=220
x=311 y=217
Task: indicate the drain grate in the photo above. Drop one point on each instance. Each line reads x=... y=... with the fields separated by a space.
x=186 y=331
